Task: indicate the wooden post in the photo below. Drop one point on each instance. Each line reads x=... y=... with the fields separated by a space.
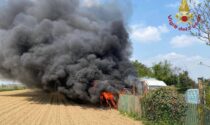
x=201 y=93
x=145 y=88
x=134 y=90
x=201 y=90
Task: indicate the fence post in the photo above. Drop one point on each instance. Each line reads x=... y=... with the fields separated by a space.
x=201 y=93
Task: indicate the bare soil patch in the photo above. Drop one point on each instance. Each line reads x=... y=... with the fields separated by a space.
x=29 y=107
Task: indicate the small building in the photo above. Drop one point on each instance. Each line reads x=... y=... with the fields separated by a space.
x=151 y=84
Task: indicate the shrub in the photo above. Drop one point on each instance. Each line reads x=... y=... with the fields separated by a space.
x=135 y=116
x=164 y=105
x=11 y=87
x=207 y=94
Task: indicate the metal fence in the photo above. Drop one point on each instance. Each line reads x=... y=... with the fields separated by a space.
x=132 y=104
x=206 y=116
x=192 y=115
x=129 y=104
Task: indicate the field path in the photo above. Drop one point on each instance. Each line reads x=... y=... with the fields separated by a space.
x=30 y=107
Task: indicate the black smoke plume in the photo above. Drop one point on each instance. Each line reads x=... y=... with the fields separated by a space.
x=66 y=46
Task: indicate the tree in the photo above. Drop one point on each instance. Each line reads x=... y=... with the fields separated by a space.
x=173 y=76
x=185 y=82
x=202 y=11
x=163 y=71
x=142 y=70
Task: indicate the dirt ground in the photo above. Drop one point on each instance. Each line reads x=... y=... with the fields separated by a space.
x=27 y=107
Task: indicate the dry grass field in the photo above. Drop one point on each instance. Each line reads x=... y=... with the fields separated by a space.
x=27 y=107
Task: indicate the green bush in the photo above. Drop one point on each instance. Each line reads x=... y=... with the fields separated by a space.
x=207 y=94
x=164 y=105
x=135 y=116
x=11 y=87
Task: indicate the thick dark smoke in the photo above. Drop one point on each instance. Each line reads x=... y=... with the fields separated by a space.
x=63 y=45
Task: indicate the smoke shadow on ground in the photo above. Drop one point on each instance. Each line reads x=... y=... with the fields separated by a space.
x=45 y=98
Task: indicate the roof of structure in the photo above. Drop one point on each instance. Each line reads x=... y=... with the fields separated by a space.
x=153 y=82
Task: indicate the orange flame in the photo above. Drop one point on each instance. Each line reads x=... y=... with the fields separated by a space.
x=108 y=97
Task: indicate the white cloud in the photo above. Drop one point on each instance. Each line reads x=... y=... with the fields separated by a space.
x=90 y=3
x=189 y=63
x=195 y=1
x=147 y=34
x=184 y=41
x=176 y=4
x=173 y=5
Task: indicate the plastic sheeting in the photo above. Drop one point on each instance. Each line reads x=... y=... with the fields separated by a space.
x=192 y=96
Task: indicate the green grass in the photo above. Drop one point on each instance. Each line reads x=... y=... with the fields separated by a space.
x=11 y=87
x=135 y=116
x=132 y=115
x=145 y=122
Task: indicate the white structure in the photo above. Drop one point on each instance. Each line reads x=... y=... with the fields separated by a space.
x=151 y=83
x=7 y=82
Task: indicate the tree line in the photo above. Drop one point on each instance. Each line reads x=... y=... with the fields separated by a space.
x=164 y=71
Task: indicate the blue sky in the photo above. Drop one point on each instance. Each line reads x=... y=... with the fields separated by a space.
x=154 y=40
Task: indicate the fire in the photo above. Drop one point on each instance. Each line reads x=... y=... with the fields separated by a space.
x=108 y=97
